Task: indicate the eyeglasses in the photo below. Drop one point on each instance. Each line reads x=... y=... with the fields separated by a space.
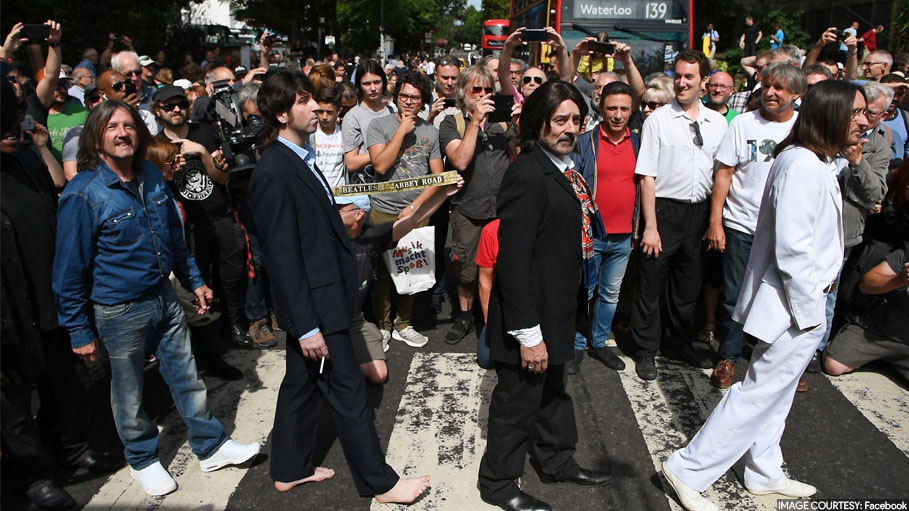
x=537 y=79
x=487 y=90
x=62 y=85
x=169 y=107
x=653 y=105
x=858 y=112
x=409 y=98
x=696 y=131
x=871 y=113
x=869 y=64
x=719 y=86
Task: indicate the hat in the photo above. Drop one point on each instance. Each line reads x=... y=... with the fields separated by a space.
x=168 y=92
x=183 y=83
x=145 y=60
x=360 y=201
x=239 y=69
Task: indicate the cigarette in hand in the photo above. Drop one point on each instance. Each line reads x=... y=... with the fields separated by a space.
x=322 y=365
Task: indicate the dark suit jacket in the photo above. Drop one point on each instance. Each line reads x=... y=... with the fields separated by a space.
x=538 y=270
x=307 y=253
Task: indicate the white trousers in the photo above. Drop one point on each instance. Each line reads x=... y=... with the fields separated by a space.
x=751 y=417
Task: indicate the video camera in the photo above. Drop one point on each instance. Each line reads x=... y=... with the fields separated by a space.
x=240 y=142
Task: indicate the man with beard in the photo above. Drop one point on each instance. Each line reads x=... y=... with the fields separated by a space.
x=532 y=310
x=720 y=87
x=745 y=158
x=214 y=237
x=796 y=255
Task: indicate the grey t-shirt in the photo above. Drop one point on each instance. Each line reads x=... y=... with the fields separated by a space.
x=356 y=122
x=71 y=143
x=419 y=147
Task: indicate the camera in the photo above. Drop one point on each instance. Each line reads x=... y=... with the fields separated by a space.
x=841 y=35
x=240 y=142
x=602 y=48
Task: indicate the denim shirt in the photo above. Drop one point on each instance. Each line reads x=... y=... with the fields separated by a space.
x=114 y=246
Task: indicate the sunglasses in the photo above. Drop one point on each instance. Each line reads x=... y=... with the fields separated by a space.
x=537 y=79
x=653 y=105
x=169 y=107
x=117 y=86
x=448 y=61
x=696 y=131
x=487 y=90
x=134 y=72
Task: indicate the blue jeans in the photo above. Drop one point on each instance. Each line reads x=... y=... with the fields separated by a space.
x=735 y=262
x=610 y=258
x=483 y=359
x=155 y=324
x=831 y=302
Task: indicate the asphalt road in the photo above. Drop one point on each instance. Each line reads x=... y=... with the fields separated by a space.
x=848 y=436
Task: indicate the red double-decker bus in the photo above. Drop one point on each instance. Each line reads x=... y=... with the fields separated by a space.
x=655 y=29
x=494 y=34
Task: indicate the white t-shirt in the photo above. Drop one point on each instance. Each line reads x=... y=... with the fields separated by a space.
x=330 y=155
x=748 y=146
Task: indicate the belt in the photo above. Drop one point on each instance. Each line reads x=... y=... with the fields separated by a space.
x=830 y=288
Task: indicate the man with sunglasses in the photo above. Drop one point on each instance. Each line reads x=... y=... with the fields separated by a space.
x=216 y=240
x=63 y=115
x=127 y=62
x=479 y=150
x=675 y=162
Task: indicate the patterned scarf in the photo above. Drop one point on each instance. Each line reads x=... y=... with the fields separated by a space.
x=588 y=210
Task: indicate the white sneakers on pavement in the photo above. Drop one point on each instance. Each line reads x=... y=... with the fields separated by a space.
x=386 y=338
x=788 y=488
x=410 y=337
x=230 y=453
x=155 y=479
x=690 y=498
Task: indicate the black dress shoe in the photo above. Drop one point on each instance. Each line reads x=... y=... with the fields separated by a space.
x=224 y=371
x=240 y=337
x=607 y=357
x=645 y=367
x=585 y=477
x=97 y=463
x=814 y=366
x=688 y=354
x=47 y=495
x=573 y=366
x=522 y=502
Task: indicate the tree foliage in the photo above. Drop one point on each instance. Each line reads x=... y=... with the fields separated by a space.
x=496 y=9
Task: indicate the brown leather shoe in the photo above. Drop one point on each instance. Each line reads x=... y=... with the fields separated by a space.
x=721 y=377
x=262 y=335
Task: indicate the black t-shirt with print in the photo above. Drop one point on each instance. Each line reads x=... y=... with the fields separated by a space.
x=197 y=193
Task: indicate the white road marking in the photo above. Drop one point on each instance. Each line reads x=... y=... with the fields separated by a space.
x=250 y=401
x=669 y=411
x=883 y=403
x=440 y=430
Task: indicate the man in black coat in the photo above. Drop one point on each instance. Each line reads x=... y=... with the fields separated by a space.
x=533 y=307
x=312 y=272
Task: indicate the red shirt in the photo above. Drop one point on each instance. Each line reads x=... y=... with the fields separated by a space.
x=614 y=188
x=870 y=40
x=488 y=250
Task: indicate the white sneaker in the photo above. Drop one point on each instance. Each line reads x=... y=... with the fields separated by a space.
x=386 y=337
x=155 y=479
x=410 y=337
x=788 y=488
x=690 y=498
x=230 y=453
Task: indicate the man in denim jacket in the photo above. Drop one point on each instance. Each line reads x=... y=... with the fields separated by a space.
x=119 y=237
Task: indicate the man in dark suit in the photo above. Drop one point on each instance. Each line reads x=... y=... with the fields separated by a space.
x=313 y=277
x=532 y=311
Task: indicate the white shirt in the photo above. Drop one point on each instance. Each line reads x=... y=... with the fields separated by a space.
x=530 y=337
x=748 y=147
x=683 y=171
x=330 y=155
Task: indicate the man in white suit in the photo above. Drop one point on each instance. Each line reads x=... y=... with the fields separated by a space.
x=794 y=261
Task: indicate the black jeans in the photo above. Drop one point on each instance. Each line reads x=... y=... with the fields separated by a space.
x=218 y=245
x=681 y=226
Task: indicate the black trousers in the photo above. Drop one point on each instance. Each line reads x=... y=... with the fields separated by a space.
x=342 y=387
x=527 y=406
x=218 y=245
x=681 y=226
x=29 y=446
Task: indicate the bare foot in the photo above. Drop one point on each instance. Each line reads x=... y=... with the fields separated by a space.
x=405 y=491
x=320 y=474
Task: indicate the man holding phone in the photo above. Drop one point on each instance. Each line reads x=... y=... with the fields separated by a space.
x=478 y=147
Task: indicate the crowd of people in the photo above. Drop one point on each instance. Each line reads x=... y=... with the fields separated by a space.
x=676 y=207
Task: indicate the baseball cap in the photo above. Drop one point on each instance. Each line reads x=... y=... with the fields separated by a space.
x=360 y=201
x=145 y=60
x=168 y=92
x=183 y=83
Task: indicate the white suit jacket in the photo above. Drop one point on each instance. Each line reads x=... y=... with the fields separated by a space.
x=797 y=250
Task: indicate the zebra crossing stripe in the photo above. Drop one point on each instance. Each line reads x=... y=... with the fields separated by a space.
x=669 y=412
x=252 y=405
x=883 y=403
x=440 y=430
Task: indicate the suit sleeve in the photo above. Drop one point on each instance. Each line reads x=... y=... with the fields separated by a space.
x=797 y=200
x=521 y=206
x=276 y=220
